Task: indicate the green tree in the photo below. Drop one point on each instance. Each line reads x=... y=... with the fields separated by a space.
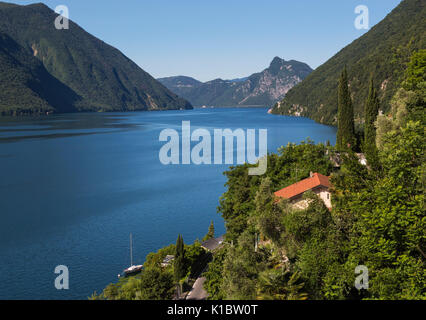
x=268 y=214
x=195 y=259
x=345 y=115
x=179 y=262
x=370 y=113
x=210 y=233
x=416 y=71
x=408 y=103
x=276 y=284
x=241 y=268
x=156 y=285
x=392 y=241
x=214 y=275
x=416 y=83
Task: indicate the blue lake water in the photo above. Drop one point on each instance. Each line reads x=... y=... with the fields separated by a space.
x=73 y=187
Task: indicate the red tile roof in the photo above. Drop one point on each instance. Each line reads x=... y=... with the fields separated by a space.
x=300 y=187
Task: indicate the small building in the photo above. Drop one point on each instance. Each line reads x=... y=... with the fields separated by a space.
x=212 y=244
x=317 y=183
x=362 y=159
x=167 y=260
x=337 y=160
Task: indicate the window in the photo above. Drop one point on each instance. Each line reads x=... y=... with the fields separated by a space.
x=328 y=196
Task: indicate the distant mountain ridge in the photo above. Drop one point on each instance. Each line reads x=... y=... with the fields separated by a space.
x=382 y=52
x=263 y=88
x=43 y=69
x=181 y=85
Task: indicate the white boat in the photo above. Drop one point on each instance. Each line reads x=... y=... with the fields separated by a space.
x=133 y=269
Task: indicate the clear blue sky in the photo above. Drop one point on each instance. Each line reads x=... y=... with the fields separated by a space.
x=208 y=39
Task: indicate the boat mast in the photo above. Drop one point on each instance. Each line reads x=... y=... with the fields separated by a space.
x=131 y=253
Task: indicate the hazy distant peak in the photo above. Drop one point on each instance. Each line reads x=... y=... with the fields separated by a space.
x=262 y=88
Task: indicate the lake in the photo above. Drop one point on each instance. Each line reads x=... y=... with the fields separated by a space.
x=73 y=187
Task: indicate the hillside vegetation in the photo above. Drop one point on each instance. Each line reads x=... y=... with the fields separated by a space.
x=277 y=251
x=384 y=51
x=377 y=219
x=45 y=69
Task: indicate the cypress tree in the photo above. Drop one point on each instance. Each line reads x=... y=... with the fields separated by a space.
x=179 y=262
x=209 y=234
x=345 y=115
x=371 y=111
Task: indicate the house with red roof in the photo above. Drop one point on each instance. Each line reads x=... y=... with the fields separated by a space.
x=317 y=183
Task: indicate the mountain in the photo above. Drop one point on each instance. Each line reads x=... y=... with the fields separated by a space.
x=26 y=84
x=180 y=85
x=263 y=88
x=239 y=79
x=44 y=69
x=382 y=52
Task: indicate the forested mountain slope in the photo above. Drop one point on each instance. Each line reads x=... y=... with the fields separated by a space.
x=382 y=52
x=85 y=73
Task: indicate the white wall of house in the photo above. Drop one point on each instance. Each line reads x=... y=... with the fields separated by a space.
x=323 y=192
x=300 y=203
x=325 y=196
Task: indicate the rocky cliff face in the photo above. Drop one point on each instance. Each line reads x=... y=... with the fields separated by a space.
x=264 y=88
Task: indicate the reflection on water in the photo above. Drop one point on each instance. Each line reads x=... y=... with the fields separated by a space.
x=13 y=129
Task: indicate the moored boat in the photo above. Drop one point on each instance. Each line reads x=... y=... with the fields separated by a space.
x=133 y=269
